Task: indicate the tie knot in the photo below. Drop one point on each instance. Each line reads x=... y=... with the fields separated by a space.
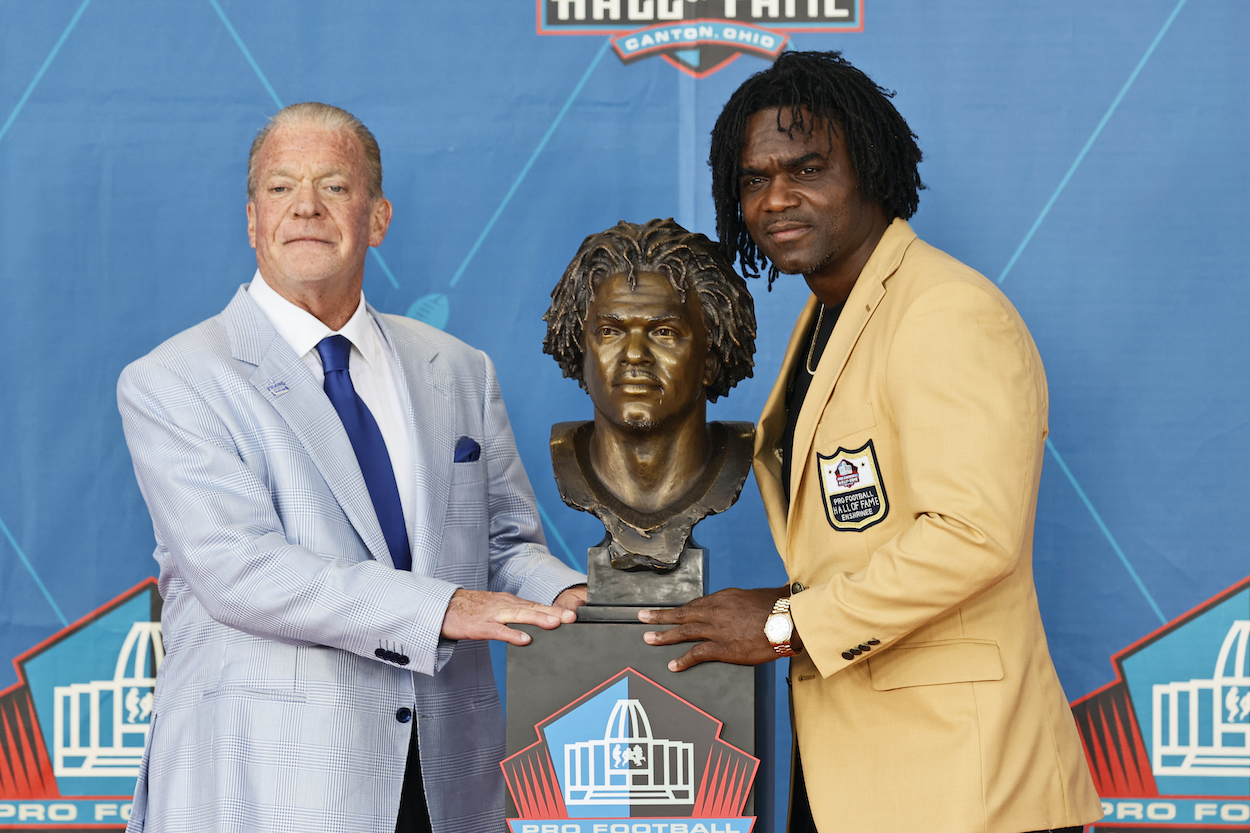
x=335 y=352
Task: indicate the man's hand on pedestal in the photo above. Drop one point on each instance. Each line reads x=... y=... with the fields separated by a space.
x=481 y=614
x=571 y=598
x=728 y=627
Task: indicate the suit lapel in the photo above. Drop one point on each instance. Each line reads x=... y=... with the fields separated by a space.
x=427 y=392
x=287 y=384
x=865 y=296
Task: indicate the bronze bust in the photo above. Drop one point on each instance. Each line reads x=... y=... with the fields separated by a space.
x=652 y=322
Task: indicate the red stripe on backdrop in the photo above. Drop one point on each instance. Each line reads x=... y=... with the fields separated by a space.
x=25 y=769
x=1117 y=755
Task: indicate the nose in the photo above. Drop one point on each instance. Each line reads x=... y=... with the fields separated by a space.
x=307 y=201
x=636 y=349
x=779 y=195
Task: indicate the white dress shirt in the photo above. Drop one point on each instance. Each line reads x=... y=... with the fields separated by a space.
x=374 y=372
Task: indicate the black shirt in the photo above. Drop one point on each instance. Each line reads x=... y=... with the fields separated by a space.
x=801 y=381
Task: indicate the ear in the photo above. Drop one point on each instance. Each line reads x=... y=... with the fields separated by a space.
x=711 y=369
x=379 y=221
x=251 y=223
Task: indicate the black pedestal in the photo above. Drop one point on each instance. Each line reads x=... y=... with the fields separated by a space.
x=618 y=729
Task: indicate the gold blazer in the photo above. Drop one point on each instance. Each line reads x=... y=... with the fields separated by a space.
x=925 y=698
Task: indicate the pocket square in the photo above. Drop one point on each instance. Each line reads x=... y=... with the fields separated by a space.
x=467 y=450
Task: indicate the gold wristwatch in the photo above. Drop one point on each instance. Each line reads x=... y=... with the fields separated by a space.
x=779 y=628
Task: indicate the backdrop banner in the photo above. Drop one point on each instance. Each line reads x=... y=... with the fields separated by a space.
x=1088 y=158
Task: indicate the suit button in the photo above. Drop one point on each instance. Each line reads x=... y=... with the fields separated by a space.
x=404 y=715
x=401 y=660
x=847 y=655
x=856 y=651
x=874 y=642
x=864 y=648
x=380 y=653
x=796 y=588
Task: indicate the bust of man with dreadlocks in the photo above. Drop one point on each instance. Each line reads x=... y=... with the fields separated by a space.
x=652 y=322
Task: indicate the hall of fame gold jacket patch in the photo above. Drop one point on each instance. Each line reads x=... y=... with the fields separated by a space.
x=850 y=484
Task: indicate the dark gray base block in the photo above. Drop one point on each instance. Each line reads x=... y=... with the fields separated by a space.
x=646 y=588
x=623 y=614
x=560 y=666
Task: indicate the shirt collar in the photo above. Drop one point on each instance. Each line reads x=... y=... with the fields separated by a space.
x=302 y=330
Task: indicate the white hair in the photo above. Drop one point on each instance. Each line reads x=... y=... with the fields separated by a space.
x=331 y=118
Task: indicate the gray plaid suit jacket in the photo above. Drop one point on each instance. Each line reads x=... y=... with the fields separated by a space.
x=291 y=643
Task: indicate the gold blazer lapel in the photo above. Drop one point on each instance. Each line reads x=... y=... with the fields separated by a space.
x=859 y=307
x=865 y=296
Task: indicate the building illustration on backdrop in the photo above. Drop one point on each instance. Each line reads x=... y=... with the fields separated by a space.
x=628 y=765
x=1168 y=742
x=73 y=728
x=1202 y=727
x=101 y=727
x=630 y=749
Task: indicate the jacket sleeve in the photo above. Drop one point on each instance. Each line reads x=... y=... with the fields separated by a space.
x=967 y=393
x=221 y=541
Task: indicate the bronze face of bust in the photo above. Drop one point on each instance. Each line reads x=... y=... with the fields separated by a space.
x=652 y=322
x=647 y=366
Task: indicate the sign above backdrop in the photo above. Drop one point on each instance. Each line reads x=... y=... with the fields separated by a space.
x=698 y=37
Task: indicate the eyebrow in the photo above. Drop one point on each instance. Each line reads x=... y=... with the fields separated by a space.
x=789 y=164
x=285 y=171
x=663 y=319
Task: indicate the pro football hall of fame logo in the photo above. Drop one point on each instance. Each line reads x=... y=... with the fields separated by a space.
x=630 y=755
x=1168 y=741
x=697 y=36
x=72 y=729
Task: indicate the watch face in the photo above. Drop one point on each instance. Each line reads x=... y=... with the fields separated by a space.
x=778 y=628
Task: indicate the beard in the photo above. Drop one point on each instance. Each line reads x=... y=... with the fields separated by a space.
x=640 y=425
x=804 y=269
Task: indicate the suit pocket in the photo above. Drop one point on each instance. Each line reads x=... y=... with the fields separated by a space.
x=936 y=663
x=834 y=425
x=464 y=556
x=469 y=471
x=284 y=695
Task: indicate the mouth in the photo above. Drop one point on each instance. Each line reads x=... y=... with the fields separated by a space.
x=786 y=230
x=636 y=381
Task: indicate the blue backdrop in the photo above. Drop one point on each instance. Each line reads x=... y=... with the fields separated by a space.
x=1091 y=158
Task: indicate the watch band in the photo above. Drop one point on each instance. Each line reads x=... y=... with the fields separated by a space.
x=782 y=608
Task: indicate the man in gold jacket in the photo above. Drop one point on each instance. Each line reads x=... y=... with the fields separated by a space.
x=898 y=457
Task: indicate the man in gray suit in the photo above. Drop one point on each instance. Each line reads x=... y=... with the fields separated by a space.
x=341 y=518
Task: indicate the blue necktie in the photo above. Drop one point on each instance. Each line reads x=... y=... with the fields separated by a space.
x=370 y=448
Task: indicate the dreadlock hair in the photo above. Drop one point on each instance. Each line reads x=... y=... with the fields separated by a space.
x=817 y=90
x=689 y=260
